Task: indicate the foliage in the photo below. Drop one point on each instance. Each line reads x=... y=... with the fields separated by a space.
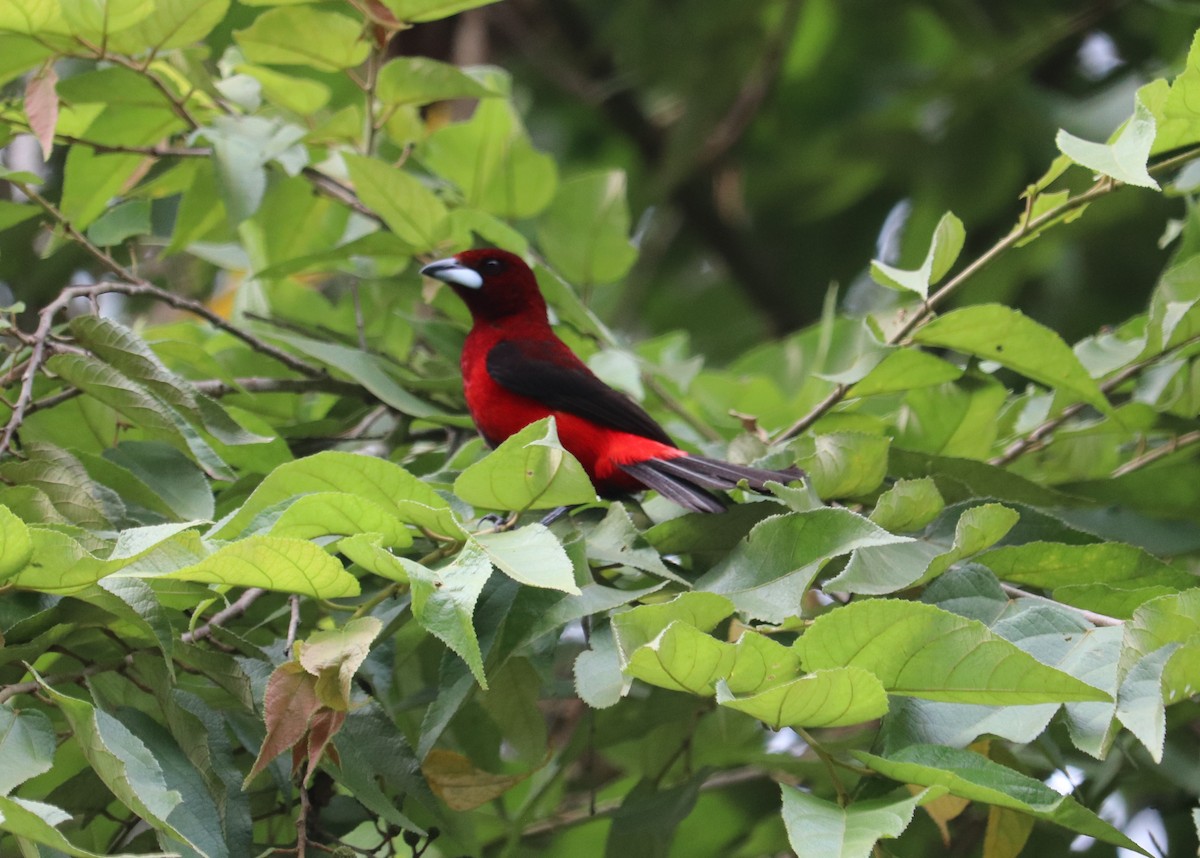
x=261 y=589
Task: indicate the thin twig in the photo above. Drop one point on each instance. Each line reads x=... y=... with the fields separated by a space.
x=1033 y=439
x=7 y=692
x=336 y=190
x=178 y=104
x=293 y=624
x=1103 y=186
x=221 y=617
x=134 y=285
x=218 y=388
x=584 y=814
x=1091 y=616
x=1176 y=444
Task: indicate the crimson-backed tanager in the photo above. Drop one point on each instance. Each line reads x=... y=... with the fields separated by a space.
x=517 y=371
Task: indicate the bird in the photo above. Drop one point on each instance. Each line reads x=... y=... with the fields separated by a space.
x=517 y=371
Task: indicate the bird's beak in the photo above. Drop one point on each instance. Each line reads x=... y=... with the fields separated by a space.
x=453 y=272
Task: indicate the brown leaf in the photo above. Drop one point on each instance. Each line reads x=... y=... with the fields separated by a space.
x=321 y=730
x=289 y=705
x=456 y=781
x=41 y=106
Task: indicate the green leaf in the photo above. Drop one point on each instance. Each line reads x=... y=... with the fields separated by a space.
x=616 y=540
x=530 y=470
x=645 y=823
x=96 y=19
x=16 y=548
x=835 y=697
x=444 y=602
x=599 y=680
x=1011 y=339
x=19 y=54
x=821 y=829
x=194 y=815
x=140 y=406
x=122 y=762
x=27 y=744
x=964 y=479
x=531 y=555
x=843 y=464
x=378 y=480
x=121 y=222
x=58 y=564
x=1125 y=157
x=303 y=36
x=328 y=513
x=369 y=370
x=417 y=11
x=767 y=573
x=168 y=475
x=420 y=80
x=91 y=180
x=375 y=756
x=12 y=213
x=491 y=159
x=908 y=505
x=637 y=627
x=242 y=148
x=35 y=822
x=947 y=242
x=171 y=24
x=975 y=777
x=1119 y=577
x=585 y=231
x=1055 y=636
x=1162 y=643
x=884 y=569
x=128 y=353
x=64 y=483
x=273 y=563
x=1173 y=106
x=409 y=209
x=922 y=651
x=905 y=369
x=335 y=655
x=291 y=92
x=683 y=658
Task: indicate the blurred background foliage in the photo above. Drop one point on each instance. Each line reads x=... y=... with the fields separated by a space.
x=774 y=146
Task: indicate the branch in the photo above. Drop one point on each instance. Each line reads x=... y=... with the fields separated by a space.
x=132 y=285
x=220 y=618
x=1091 y=616
x=7 y=692
x=178 y=105
x=1026 y=227
x=1176 y=444
x=336 y=190
x=1033 y=440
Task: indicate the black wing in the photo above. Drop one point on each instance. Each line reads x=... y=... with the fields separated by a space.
x=536 y=370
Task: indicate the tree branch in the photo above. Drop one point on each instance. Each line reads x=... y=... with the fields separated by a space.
x=1024 y=228
x=1033 y=440
x=221 y=617
x=1176 y=444
x=1091 y=616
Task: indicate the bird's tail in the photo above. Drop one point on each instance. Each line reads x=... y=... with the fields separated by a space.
x=686 y=480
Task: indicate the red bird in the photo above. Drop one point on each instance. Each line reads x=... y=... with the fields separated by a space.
x=517 y=371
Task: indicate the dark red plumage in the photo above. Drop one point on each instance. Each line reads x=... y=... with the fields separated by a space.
x=517 y=371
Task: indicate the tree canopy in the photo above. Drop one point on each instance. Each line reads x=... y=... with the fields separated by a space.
x=264 y=591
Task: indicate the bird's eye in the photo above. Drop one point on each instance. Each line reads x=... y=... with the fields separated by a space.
x=491 y=266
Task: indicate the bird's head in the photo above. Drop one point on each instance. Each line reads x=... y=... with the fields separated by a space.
x=493 y=283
